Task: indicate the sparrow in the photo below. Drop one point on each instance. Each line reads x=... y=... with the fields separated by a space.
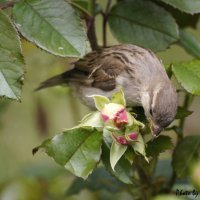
x=135 y=70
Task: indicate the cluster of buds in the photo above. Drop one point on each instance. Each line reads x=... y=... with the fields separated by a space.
x=116 y=114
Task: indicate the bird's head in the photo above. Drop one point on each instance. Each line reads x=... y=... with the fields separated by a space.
x=160 y=105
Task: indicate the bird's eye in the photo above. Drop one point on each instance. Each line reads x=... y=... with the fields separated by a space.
x=151 y=112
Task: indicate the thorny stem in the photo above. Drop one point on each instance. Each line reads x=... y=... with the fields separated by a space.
x=105 y=19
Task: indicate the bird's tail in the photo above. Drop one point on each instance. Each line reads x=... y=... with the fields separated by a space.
x=59 y=79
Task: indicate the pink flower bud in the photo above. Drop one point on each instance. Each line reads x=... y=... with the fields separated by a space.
x=116 y=113
x=132 y=136
x=121 y=118
x=121 y=140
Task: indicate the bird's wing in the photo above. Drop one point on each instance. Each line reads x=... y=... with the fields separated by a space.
x=102 y=67
x=96 y=69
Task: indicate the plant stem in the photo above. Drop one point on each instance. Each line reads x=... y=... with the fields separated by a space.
x=92 y=5
x=185 y=105
x=145 y=182
x=171 y=181
x=145 y=177
x=91 y=31
x=105 y=19
x=180 y=138
x=7 y=5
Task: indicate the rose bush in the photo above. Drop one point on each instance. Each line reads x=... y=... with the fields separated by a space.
x=112 y=124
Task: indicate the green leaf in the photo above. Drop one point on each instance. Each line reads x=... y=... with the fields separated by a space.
x=118 y=98
x=131 y=119
x=82 y=6
x=11 y=60
x=182 y=113
x=107 y=136
x=191 y=6
x=186 y=154
x=92 y=120
x=167 y=197
x=52 y=25
x=133 y=124
x=116 y=152
x=143 y=23
x=130 y=155
x=139 y=146
x=188 y=75
x=78 y=150
x=100 y=101
x=182 y=19
x=123 y=170
x=190 y=43
x=100 y=179
x=158 y=145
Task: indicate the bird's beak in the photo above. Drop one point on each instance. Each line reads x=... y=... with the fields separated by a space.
x=155 y=129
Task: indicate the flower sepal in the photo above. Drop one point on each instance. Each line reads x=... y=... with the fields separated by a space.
x=121 y=140
x=131 y=137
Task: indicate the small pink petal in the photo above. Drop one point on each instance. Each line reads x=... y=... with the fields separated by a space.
x=121 y=140
x=122 y=116
x=104 y=117
x=133 y=136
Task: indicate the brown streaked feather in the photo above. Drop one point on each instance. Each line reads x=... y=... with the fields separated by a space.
x=103 y=67
x=98 y=68
x=73 y=75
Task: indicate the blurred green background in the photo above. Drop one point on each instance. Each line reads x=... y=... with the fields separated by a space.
x=41 y=115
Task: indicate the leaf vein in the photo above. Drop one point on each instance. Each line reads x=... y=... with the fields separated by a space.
x=142 y=24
